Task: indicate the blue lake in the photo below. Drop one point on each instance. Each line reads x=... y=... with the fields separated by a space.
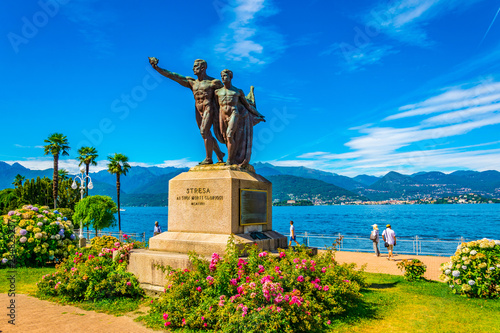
x=442 y=222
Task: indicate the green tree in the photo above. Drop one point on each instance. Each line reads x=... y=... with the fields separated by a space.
x=18 y=180
x=57 y=144
x=118 y=165
x=8 y=200
x=87 y=156
x=96 y=211
x=63 y=174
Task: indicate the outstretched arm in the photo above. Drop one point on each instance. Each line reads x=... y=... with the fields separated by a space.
x=182 y=80
x=249 y=107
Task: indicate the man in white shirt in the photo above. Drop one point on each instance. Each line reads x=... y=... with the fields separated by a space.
x=157 y=229
x=292 y=235
x=389 y=237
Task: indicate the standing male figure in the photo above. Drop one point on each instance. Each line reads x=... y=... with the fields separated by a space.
x=236 y=124
x=389 y=236
x=206 y=113
x=292 y=235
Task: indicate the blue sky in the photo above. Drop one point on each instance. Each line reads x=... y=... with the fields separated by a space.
x=351 y=87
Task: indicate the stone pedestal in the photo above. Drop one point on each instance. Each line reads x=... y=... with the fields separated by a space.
x=206 y=205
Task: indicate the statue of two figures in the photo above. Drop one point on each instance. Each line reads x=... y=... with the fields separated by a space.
x=222 y=106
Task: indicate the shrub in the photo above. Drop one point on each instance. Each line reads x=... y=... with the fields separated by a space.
x=98 y=243
x=92 y=275
x=413 y=269
x=261 y=293
x=35 y=235
x=474 y=270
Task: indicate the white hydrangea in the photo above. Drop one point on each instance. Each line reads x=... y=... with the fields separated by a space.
x=447 y=272
x=455 y=273
x=471 y=282
x=464 y=267
x=473 y=252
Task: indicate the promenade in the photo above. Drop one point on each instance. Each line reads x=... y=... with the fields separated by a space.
x=382 y=265
x=34 y=315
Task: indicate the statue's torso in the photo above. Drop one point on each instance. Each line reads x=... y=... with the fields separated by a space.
x=203 y=92
x=228 y=101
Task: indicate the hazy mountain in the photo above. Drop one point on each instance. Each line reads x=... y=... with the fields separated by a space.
x=266 y=169
x=366 y=180
x=287 y=187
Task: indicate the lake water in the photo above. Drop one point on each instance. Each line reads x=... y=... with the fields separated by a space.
x=428 y=222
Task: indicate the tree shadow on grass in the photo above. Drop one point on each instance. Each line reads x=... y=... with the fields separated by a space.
x=383 y=285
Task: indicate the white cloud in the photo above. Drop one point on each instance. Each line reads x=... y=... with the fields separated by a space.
x=355 y=58
x=181 y=163
x=241 y=38
x=412 y=147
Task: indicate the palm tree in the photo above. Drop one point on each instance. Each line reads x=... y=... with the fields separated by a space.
x=63 y=174
x=18 y=181
x=87 y=156
x=118 y=165
x=56 y=144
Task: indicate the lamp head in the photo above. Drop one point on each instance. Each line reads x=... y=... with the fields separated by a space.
x=82 y=169
x=74 y=186
x=91 y=186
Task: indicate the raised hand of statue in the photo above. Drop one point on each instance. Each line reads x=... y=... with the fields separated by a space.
x=153 y=61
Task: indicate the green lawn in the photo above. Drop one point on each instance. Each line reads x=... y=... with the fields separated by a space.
x=390 y=304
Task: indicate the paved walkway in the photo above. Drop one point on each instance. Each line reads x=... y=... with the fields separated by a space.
x=382 y=265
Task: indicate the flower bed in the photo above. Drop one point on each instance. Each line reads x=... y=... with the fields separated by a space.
x=474 y=270
x=93 y=275
x=291 y=292
x=35 y=235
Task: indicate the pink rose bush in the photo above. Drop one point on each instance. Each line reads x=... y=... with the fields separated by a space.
x=35 y=236
x=259 y=293
x=92 y=275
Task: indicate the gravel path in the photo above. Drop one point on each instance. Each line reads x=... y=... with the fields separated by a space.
x=34 y=315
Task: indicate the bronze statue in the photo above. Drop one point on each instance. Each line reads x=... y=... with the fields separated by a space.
x=237 y=118
x=206 y=112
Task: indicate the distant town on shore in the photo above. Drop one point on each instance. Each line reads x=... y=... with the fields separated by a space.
x=300 y=186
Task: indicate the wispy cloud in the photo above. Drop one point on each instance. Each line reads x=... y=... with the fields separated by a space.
x=241 y=38
x=413 y=147
x=181 y=163
x=485 y=93
x=90 y=17
x=22 y=146
x=356 y=58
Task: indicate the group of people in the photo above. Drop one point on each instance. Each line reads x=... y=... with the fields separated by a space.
x=389 y=238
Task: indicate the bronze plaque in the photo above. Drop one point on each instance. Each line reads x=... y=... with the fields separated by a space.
x=253 y=207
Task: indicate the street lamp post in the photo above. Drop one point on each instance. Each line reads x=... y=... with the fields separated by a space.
x=81 y=178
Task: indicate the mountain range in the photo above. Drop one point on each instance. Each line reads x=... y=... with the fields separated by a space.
x=148 y=186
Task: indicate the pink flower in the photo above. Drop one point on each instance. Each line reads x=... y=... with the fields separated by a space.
x=183 y=321
x=205 y=324
x=296 y=260
x=282 y=254
x=300 y=278
x=347 y=281
x=326 y=288
x=202 y=318
x=304 y=261
x=312 y=268
x=165 y=316
x=262 y=254
x=199 y=289
x=167 y=323
x=234 y=282
x=328 y=322
x=128 y=283
x=323 y=270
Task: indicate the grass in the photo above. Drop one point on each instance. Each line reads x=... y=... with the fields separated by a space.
x=390 y=304
x=26 y=279
x=393 y=304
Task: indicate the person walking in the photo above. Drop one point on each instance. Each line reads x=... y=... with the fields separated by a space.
x=157 y=229
x=292 y=235
x=389 y=237
x=374 y=236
